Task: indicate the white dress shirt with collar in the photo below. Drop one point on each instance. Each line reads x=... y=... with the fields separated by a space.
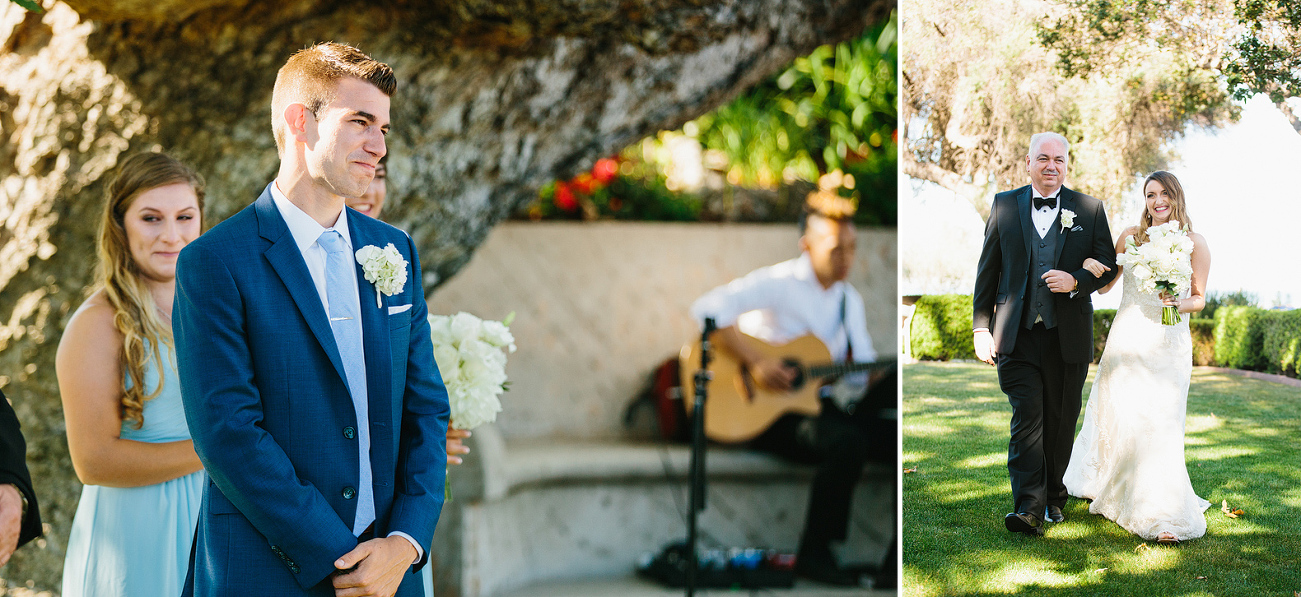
x=307 y=232
x=782 y=302
x=1045 y=217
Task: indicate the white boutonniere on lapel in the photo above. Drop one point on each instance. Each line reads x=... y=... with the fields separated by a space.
x=1068 y=219
x=385 y=268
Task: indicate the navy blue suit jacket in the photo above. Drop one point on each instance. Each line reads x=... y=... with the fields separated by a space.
x=272 y=419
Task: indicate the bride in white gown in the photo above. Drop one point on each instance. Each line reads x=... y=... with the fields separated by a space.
x=1129 y=455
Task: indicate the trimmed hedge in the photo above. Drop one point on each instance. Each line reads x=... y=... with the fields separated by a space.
x=1203 y=331
x=1240 y=338
x=1282 y=341
x=1102 y=320
x=941 y=328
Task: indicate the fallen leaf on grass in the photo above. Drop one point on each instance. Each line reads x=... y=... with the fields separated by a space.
x=1230 y=512
x=1201 y=578
x=1142 y=546
x=1100 y=570
x=910 y=470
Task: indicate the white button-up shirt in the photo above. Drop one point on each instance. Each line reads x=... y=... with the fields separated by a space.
x=782 y=302
x=1044 y=217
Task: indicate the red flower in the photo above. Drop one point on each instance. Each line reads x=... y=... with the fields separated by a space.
x=584 y=183
x=564 y=198
x=605 y=170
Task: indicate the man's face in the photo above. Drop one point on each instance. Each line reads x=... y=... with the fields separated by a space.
x=1047 y=165
x=345 y=138
x=830 y=245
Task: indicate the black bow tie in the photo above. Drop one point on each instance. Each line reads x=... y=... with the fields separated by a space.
x=1041 y=202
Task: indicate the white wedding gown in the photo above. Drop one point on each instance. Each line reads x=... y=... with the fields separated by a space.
x=1129 y=455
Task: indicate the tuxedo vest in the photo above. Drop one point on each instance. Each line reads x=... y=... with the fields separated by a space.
x=1038 y=298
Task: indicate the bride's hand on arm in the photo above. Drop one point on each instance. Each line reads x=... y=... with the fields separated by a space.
x=1120 y=249
x=1095 y=267
x=89 y=371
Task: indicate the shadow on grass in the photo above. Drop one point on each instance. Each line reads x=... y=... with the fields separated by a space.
x=1241 y=447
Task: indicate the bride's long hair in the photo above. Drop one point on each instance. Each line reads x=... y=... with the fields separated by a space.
x=1178 y=209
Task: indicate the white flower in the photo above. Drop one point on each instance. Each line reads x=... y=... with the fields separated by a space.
x=385 y=268
x=469 y=352
x=1068 y=219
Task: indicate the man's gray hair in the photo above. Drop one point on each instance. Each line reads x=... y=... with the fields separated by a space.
x=1038 y=138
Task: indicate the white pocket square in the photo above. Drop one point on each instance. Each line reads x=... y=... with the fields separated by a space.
x=398 y=309
x=1077 y=229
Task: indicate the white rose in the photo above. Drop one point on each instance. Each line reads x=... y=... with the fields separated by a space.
x=498 y=335
x=449 y=363
x=465 y=327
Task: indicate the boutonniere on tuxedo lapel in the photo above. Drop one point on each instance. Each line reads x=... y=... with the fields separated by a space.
x=385 y=268
x=1068 y=219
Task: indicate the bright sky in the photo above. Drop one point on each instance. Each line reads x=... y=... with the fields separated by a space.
x=1243 y=196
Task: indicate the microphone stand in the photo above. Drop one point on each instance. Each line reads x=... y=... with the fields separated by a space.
x=697 y=471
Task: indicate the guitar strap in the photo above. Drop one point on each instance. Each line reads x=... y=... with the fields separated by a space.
x=849 y=344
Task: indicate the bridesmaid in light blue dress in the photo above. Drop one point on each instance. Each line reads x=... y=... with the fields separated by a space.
x=127 y=434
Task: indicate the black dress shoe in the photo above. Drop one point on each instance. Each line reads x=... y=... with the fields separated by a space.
x=1054 y=514
x=1026 y=524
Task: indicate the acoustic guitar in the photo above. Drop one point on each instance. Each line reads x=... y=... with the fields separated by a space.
x=741 y=407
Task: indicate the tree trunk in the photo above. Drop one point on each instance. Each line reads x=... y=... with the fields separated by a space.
x=494 y=99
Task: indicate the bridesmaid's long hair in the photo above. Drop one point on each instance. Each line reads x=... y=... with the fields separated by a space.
x=135 y=315
x=1178 y=209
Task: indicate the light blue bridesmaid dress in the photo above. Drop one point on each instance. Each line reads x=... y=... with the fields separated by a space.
x=135 y=541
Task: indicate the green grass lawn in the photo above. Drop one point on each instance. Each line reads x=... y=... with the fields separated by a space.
x=1241 y=446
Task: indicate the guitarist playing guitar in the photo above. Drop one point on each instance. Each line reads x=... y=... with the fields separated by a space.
x=779 y=304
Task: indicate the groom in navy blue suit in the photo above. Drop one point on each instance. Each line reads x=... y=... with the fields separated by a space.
x=310 y=389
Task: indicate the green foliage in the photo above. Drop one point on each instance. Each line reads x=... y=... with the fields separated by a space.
x=834 y=109
x=1215 y=300
x=1281 y=340
x=1203 y=332
x=978 y=82
x=1240 y=337
x=831 y=110
x=941 y=328
x=1102 y=320
x=1265 y=58
x=30 y=5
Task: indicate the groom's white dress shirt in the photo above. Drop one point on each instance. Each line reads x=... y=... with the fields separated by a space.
x=307 y=232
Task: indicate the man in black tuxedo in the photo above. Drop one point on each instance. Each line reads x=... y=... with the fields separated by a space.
x=20 y=521
x=1032 y=287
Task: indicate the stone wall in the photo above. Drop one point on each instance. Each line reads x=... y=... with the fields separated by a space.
x=597 y=306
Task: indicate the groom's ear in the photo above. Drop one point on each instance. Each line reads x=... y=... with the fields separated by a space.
x=296 y=116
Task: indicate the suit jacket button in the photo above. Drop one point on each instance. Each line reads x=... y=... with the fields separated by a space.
x=293 y=568
x=349 y=493
x=349 y=432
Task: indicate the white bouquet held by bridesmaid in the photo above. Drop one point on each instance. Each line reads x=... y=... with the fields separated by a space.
x=471 y=356
x=1162 y=264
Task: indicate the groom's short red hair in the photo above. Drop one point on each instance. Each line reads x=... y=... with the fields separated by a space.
x=311 y=77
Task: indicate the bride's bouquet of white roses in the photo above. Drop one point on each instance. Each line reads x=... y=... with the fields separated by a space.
x=471 y=356
x=1162 y=264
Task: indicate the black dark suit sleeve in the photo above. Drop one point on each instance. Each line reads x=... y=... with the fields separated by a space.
x=988 y=270
x=1104 y=250
x=13 y=468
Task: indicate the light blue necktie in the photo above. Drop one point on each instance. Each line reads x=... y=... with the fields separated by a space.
x=345 y=322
